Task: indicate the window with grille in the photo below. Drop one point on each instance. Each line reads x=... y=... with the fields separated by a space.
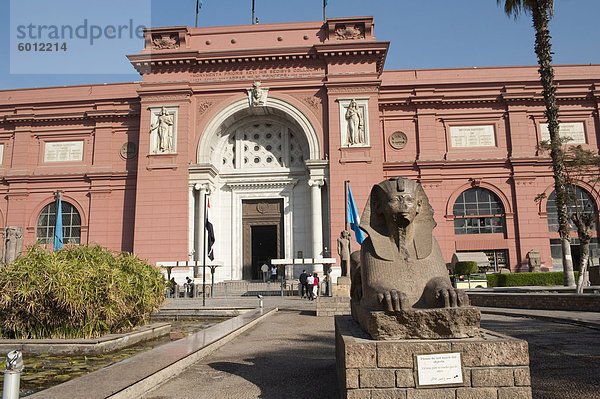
x=478 y=211
x=71 y=224
x=582 y=203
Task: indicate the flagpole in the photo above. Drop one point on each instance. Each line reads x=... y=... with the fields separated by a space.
x=197 y=13
x=346 y=182
x=324 y=6
x=204 y=252
x=253 y=12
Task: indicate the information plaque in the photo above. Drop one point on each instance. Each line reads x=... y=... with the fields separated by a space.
x=64 y=151
x=573 y=130
x=472 y=136
x=439 y=369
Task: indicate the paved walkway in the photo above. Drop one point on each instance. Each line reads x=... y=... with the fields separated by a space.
x=291 y=355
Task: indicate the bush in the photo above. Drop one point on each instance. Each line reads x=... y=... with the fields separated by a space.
x=525 y=279
x=466 y=267
x=77 y=292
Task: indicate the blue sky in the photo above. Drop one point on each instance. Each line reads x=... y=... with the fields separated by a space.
x=423 y=34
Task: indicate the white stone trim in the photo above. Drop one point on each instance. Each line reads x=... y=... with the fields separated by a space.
x=213 y=128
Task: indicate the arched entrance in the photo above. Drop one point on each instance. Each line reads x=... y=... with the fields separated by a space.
x=262 y=168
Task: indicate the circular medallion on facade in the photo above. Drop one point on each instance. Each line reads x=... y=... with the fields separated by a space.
x=129 y=150
x=398 y=140
x=261 y=207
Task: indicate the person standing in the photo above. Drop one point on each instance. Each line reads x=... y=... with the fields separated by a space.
x=303 y=284
x=310 y=282
x=315 y=285
x=265 y=271
x=273 y=273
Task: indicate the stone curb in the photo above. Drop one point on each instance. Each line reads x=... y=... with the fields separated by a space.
x=133 y=377
x=86 y=346
x=556 y=319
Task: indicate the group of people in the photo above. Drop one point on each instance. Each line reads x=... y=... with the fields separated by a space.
x=265 y=269
x=309 y=285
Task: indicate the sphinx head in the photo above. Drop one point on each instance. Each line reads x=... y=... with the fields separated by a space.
x=400 y=201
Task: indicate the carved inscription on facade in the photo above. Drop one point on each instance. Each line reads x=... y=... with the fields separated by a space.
x=472 y=136
x=573 y=130
x=258 y=73
x=64 y=151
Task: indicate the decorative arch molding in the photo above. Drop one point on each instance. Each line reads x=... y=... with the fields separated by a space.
x=213 y=128
x=508 y=212
x=48 y=200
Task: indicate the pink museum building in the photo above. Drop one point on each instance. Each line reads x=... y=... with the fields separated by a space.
x=268 y=121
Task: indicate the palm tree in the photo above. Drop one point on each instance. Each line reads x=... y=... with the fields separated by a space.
x=541 y=11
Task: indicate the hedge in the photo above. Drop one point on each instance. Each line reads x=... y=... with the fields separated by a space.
x=526 y=279
x=466 y=267
x=77 y=292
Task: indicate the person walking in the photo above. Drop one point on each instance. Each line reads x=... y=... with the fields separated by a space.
x=315 y=285
x=310 y=282
x=303 y=284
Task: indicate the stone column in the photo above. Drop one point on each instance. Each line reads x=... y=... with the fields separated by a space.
x=317 y=221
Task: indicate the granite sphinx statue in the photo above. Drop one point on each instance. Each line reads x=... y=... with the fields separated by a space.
x=401 y=271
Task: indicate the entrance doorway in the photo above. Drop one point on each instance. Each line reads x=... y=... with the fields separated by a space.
x=264 y=247
x=262 y=224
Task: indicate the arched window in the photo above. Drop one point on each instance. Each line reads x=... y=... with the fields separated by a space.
x=584 y=203
x=478 y=211
x=71 y=224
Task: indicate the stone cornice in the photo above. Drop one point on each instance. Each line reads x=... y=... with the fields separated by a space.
x=70 y=116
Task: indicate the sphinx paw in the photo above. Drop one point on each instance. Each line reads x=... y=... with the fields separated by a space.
x=451 y=297
x=393 y=300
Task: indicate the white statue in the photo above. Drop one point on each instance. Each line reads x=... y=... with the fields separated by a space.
x=164 y=131
x=356 y=124
x=258 y=95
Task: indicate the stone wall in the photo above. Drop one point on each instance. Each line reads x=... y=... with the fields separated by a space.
x=333 y=306
x=494 y=366
x=547 y=301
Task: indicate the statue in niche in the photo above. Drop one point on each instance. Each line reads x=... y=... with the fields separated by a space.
x=258 y=95
x=344 y=244
x=164 y=132
x=400 y=284
x=355 y=131
x=13 y=243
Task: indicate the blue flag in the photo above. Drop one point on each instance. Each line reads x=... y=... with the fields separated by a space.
x=58 y=227
x=324 y=3
x=354 y=219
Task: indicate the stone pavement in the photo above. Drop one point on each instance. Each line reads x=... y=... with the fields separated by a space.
x=292 y=354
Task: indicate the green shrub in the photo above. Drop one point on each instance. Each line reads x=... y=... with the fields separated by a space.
x=77 y=292
x=466 y=267
x=525 y=279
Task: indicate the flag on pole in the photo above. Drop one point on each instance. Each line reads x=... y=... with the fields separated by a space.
x=198 y=5
x=211 y=233
x=354 y=219
x=324 y=3
x=58 y=227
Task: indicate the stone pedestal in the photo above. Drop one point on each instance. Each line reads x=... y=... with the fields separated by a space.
x=435 y=323
x=493 y=365
x=342 y=288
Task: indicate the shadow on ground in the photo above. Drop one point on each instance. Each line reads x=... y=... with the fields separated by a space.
x=564 y=359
